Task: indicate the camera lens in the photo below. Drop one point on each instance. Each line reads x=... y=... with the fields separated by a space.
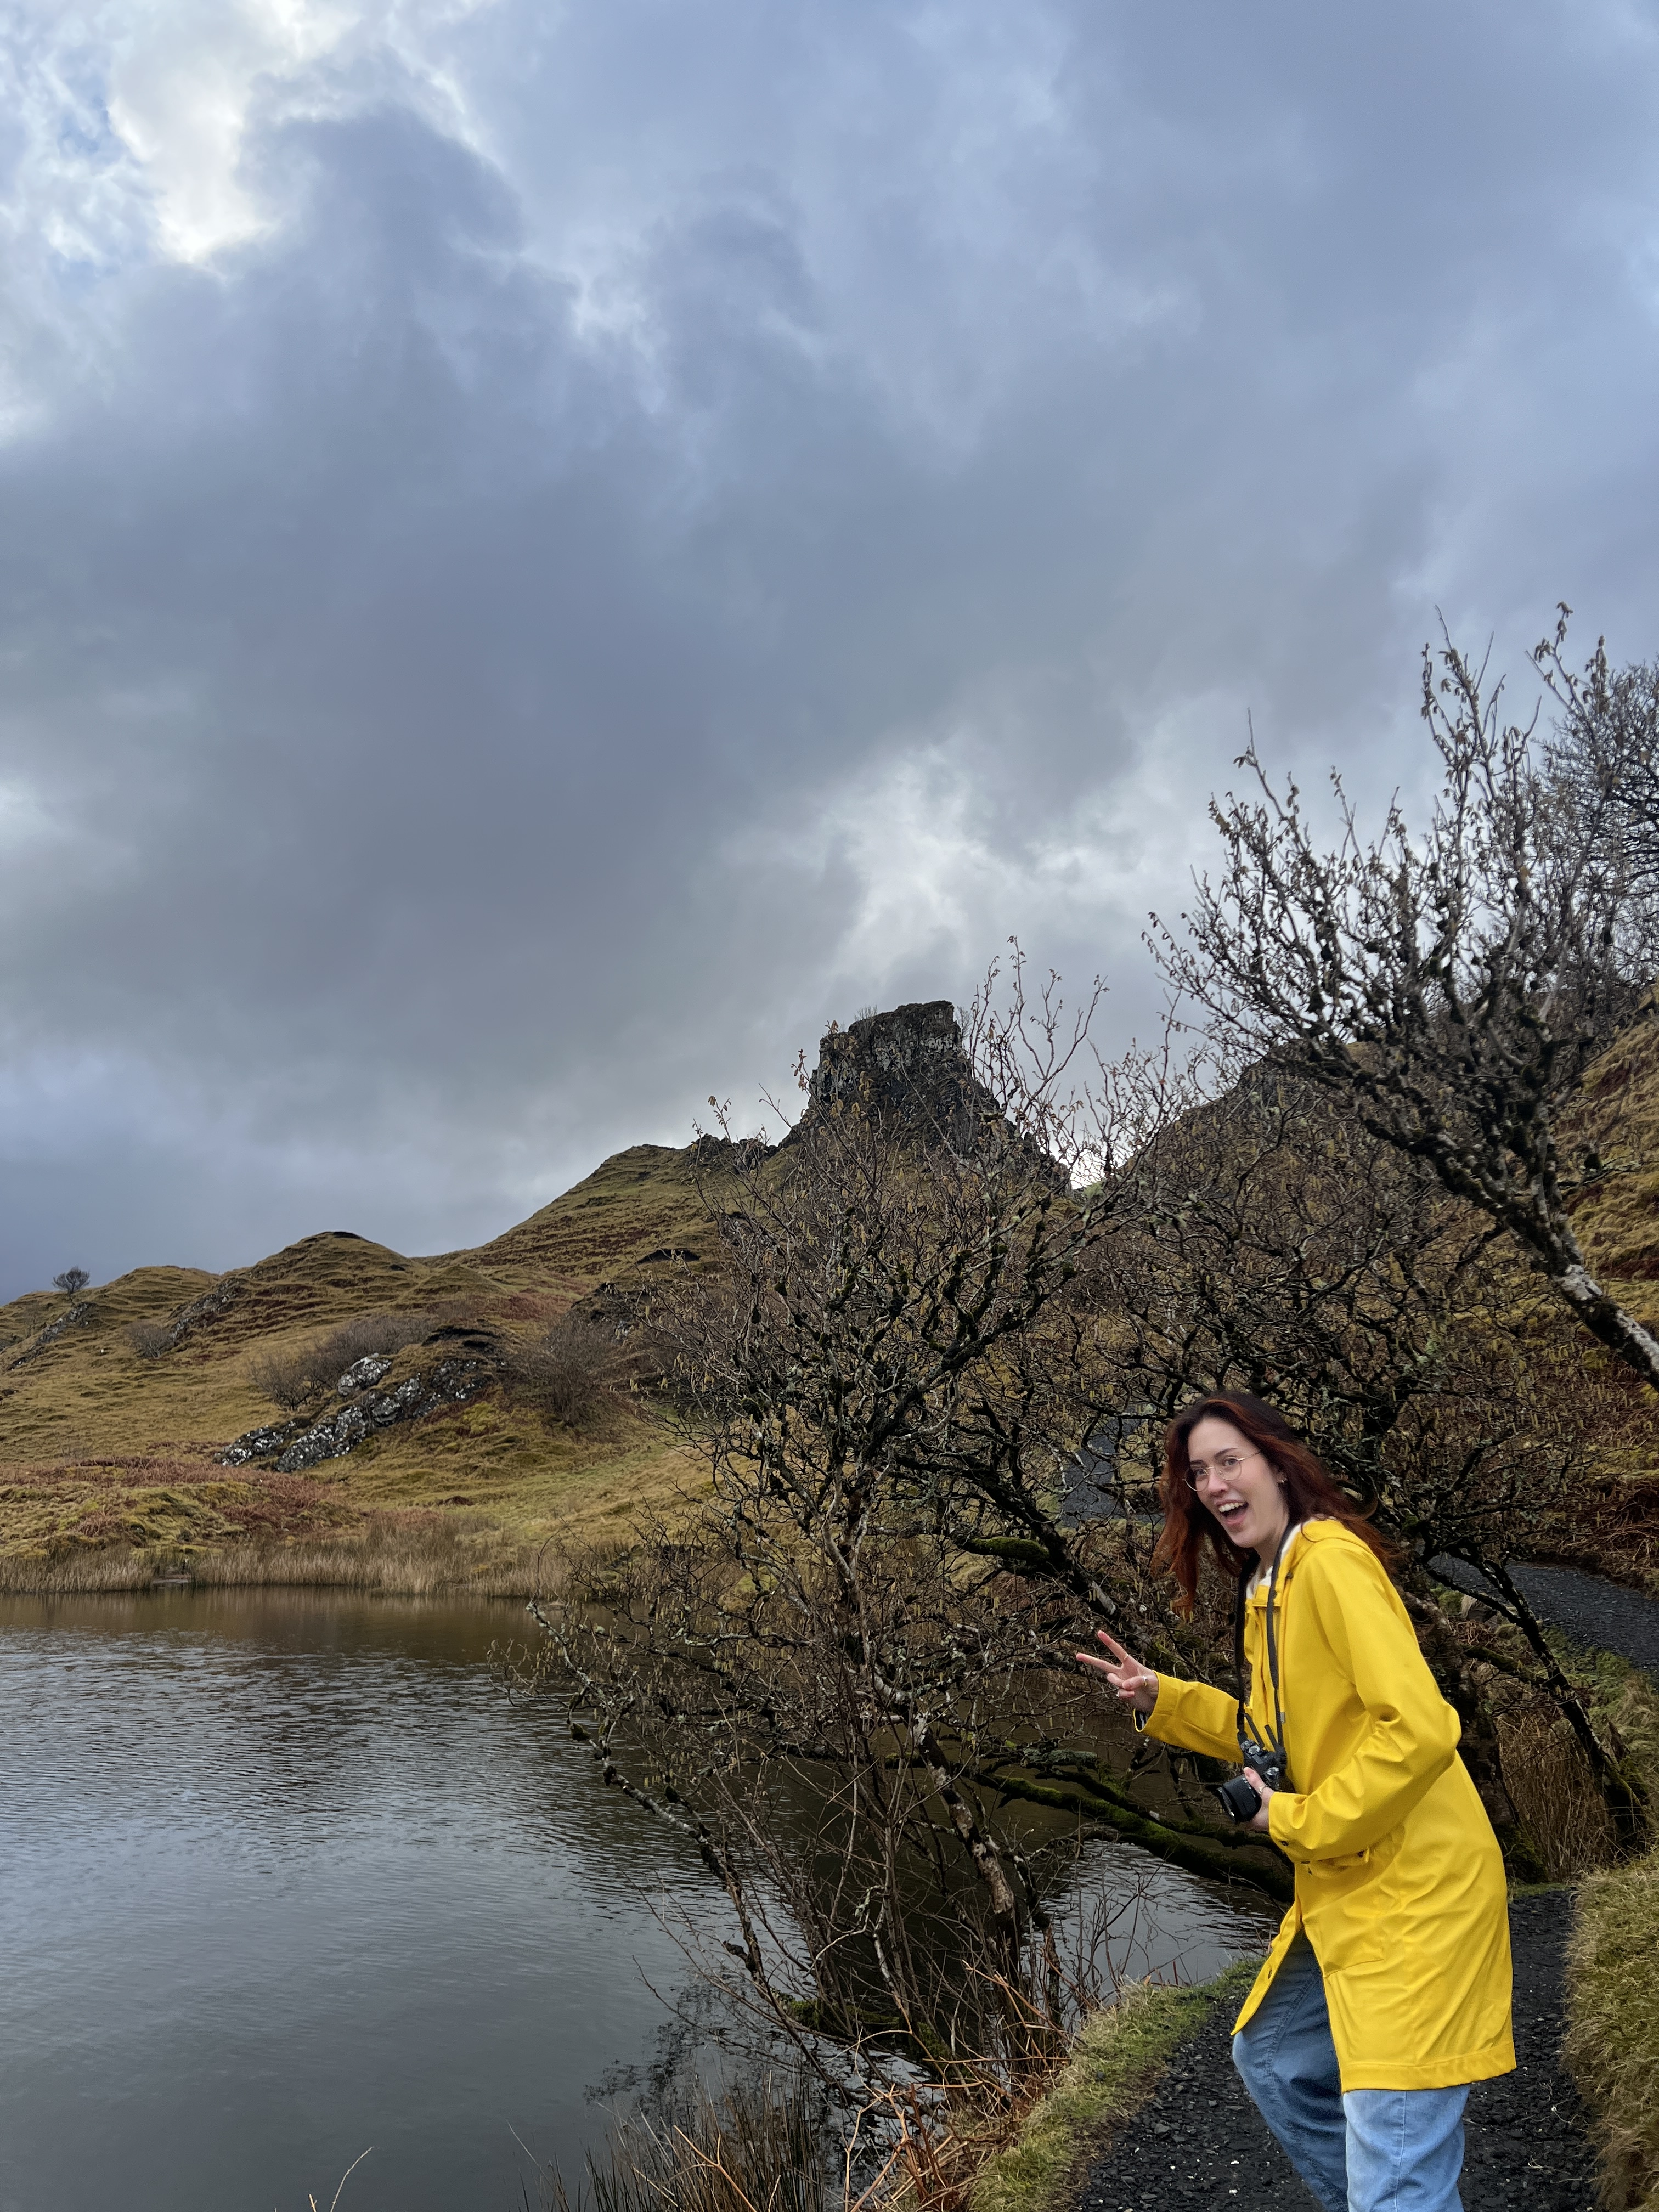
x=1239 y=1802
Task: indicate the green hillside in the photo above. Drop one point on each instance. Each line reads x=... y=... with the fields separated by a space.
x=102 y=1448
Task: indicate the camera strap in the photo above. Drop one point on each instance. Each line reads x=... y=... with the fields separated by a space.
x=1277 y=1740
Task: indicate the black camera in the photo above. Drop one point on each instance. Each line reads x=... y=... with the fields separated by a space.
x=1240 y=1800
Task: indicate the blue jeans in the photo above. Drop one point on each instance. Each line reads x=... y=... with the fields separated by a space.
x=1374 y=2150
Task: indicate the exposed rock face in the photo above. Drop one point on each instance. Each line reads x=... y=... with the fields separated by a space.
x=262 y=1443
x=223 y=1295
x=306 y=1443
x=364 y=1373
x=909 y=1064
x=908 y=1070
x=71 y=1317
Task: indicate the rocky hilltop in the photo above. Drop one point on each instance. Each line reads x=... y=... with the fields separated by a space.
x=907 y=1068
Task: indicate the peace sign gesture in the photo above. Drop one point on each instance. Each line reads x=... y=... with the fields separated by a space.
x=1136 y=1685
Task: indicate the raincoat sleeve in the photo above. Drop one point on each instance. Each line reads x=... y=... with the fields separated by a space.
x=1412 y=1738
x=1193 y=1718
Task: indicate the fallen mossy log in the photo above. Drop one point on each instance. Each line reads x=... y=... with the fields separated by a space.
x=849 y=2023
x=1215 y=1858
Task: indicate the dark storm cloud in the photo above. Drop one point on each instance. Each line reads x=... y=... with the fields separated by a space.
x=682 y=520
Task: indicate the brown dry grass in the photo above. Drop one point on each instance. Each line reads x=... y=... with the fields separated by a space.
x=1555 y=1795
x=469 y=1500
x=414 y=1555
x=1613 y=2030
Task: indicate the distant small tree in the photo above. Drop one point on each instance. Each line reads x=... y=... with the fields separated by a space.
x=1450 y=990
x=71 y=1281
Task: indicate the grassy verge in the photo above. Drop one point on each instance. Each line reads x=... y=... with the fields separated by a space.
x=1612 y=1960
x=1613 y=2031
x=1113 y=2069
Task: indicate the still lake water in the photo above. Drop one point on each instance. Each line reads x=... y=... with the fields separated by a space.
x=285 y=1876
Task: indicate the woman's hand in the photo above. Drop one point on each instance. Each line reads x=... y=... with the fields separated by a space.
x=1136 y=1685
x=1267 y=1796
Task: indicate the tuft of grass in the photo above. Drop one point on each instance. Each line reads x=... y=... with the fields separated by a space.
x=1561 y=1810
x=1612 y=2025
x=1113 y=2069
x=1612 y=2045
x=760 y=2150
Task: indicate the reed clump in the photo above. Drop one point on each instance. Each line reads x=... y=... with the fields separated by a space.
x=761 y=2149
x=1556 y=1798
x=412 y=1555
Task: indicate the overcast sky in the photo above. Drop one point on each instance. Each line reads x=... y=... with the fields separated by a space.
x=546 y=550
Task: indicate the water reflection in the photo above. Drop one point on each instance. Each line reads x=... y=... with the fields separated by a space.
x=287 y=1876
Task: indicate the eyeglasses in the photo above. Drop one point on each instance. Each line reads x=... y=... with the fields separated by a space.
x=1225 y=1466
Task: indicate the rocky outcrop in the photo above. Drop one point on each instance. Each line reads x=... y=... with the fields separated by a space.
x=263 y=1443
x=223 y=1295
x=363 y=1374
x=71 y=1317
x=295 y=1445
x=907 y=1064
x=909 y=1071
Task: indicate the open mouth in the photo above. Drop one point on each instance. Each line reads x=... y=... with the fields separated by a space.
x=1230 y=1514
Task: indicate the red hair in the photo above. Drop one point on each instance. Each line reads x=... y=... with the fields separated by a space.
x=1310 y=1489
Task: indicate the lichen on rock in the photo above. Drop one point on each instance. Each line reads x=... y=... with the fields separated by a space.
x=305 y=1442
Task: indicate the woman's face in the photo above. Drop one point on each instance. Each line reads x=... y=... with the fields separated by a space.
x=1237 y=1481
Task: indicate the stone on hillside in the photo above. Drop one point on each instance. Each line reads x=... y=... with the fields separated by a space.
x=362 y=1373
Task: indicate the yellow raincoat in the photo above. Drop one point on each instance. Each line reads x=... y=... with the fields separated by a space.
x=1399 y=1880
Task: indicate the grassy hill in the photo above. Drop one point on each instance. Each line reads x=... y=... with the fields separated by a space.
x=107 y=1448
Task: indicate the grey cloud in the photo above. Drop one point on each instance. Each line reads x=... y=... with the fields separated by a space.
x=450 y=635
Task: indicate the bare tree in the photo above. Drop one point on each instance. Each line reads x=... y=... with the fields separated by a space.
x=1449 y=990
x=570 y=1373
x=844 y=1671
x=874 y=1611
x=1294 y=1254
x=71 y=1281
x=1606 y=758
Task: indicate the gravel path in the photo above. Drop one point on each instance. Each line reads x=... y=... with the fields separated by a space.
x=1201 y=2142
x=1593 y=1612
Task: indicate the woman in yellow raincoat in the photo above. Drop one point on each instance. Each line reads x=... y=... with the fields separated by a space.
x=1387 y=1990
